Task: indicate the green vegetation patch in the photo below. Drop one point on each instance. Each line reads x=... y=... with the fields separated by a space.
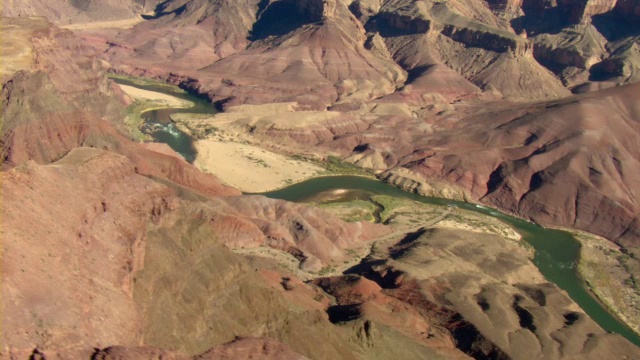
x=352 y=211
x=389 y=205
x=333 y=165
x=612 y=275
x=144 y=82
x=134 y=120
x=195 y=124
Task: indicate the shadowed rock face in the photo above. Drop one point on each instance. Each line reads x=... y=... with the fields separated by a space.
x=628 y=8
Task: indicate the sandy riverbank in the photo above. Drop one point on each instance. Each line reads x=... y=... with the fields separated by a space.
x=156 y=97
x=251 y=168
x=243 y=166
x=611 y=276
x=112 y=24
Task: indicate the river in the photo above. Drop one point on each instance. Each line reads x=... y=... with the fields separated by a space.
x=158 y=123
x=557 y=252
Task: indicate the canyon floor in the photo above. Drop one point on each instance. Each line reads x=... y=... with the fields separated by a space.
x=116 y=247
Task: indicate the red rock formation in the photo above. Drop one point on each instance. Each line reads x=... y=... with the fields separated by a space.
x=572 y=163
x=184 y=36
x=87 y=279
x=64 y=101
x=506 y=8
x=79 y=266
x=313 y=236
x=490 y=313
x=70 y=281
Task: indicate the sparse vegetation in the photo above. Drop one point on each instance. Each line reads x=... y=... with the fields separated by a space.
x=352 y=211
x=260 y=162
x=611 y=274
x=134 y=120
x=200 y=129
x=335 y=165
x=326 y=270
x=389 y=205
x=163 y=86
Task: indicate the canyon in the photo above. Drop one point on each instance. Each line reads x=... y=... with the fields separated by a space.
x=114 y=248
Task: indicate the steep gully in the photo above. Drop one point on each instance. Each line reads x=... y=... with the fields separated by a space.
x=556 y=252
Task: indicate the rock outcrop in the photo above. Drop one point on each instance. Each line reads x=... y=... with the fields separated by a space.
x=139 y=262
x=210 y=44
x=64 y=12
x=575 y=165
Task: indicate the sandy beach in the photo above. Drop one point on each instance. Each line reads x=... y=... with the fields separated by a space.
x=112 y=24
x=246 y=167
x=251 y=168
x=168 y=100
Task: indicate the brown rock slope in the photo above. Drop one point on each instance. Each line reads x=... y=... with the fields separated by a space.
x=482 y=53
x=112 y=270
x=242 y=348
x=141 y=269
x=64 y=12
x=293 y=45
x=58 y=99
x=479 y=287
x=572 y=163
x=348 y=49
x=134 y=262
x=140 y=263
x=183 y=36
x=306 y=62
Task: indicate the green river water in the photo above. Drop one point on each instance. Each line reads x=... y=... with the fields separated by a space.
x=158 y=123
x=556 y=251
